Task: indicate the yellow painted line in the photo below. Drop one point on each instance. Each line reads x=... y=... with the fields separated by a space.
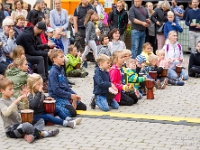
x=139 y=116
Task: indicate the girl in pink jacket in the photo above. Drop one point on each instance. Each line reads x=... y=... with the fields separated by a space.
x=123 y=97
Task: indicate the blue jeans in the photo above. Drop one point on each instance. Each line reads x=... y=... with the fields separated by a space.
x=102 y=103
x=173 y=75
x=138 y=39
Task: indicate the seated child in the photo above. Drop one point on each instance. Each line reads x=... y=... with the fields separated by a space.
x=36 y=99
x=102 y=83
x=133 y=77
x=74 y=61
x=58 y=88
x=124 y=97
x=103 y=47
x=49 y=33
x=171 y=25
x=127 y=55
x=12 y=120
x=146 y=51
x=17 y=72
x=56 y=39
x=194 y=63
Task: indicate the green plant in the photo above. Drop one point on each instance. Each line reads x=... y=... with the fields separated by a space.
x=128 y=30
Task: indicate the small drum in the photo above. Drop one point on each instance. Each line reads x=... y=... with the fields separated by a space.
x=153 y=74
x=164 y=72
x=111 y=95
x=141 y=74
x=149 y=85
x=178 y=69
x=78 y=66
x=27 y=115
x=49 y=106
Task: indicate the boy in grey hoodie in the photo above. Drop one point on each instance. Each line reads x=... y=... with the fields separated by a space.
x=103 y=47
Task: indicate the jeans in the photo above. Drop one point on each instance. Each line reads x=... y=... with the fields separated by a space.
x=3 y=66
x=173 y=75
x=102 y=103
x=138 y=39
x=193 y=70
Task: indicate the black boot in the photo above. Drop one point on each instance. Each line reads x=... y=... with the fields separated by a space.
x=93 y=103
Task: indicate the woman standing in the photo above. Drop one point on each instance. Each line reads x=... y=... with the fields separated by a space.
x=118 y=18
x=59 y=19
x=18 y=4
x=159 y=17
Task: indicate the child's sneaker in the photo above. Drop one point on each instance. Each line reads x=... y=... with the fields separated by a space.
x=71 y=124
x=29 y=138
x=78 y=120
x=83 y=75
x=158 y=84
x=93 y=103
x=53 y=132
x=164 y=83
x=179 y=83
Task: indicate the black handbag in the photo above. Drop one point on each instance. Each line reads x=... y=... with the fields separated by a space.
x=160 y=29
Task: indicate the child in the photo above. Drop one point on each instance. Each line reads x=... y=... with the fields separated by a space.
x=194 y=63
x=133 y=77
x=90 y=34
x=123 y=98
x=102 y=83
x=127 y=55
x=36 y=98
x=56 y=39
x=12 y=119
x=59 y=89
x=73 y=61
x=49 y=33
x=162 y=62
x=115 y=44
x=17 y=72
x=146 y=51
x=141 y=65
x=103 y=47
x=171 y=25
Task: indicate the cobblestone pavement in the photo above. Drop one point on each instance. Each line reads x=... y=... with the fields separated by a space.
x=111 y=134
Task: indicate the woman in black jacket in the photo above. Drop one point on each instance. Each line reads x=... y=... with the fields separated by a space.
x=159 y=17
x=118 y=18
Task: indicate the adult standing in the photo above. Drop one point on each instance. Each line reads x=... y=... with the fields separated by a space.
x=59 y=19
x=187 y=9
x=178 y=11
x=151 y=34
x=192 y=20
x=118 y=18
x=18 y=4
x=159 y=17
x=36 y=15
x=139 y=18
x=79 y=27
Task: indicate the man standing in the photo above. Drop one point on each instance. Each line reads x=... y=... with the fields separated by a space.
x=177 y=10
x=139 y=18
x=193 y=21
x=36 y=15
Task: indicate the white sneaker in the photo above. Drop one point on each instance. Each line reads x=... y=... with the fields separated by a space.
x=78 y=120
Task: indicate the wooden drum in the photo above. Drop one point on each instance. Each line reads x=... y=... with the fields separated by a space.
x=27 y=115
x=111 y=95
x=153 y=74
x=178 y=69
x=149 y=85
x=49 y=106
x=164 y=72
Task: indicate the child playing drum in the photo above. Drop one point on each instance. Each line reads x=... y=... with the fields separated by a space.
x=11 y=118
x=36 y=99
x=102 y=83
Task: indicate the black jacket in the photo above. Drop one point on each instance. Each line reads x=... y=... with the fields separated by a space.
x=118 y=20
x=29 y=43
x=194 y=60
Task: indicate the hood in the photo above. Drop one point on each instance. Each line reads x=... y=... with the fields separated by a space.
x=14 y=72
x=29 y=30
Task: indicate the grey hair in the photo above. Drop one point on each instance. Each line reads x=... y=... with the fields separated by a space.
x=39 y=1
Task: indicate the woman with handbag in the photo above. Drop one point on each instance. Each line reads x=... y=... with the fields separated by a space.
x=159 y=17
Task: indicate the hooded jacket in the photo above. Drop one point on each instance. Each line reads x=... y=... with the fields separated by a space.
x=29 y=43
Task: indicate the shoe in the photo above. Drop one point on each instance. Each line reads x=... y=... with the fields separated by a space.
x=179 y=83
x=164 y=83
x=85 y=64
x=70 y=82
x=71 y=124
x=78 y=120
x=83 y=75
x=158 y=84
x=29 y=138
x=53 y=132
x=93 y=103
x=197 y=75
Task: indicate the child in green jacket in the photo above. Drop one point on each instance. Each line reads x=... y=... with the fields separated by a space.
x=74 y=62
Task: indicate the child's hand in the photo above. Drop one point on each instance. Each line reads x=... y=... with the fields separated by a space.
x=49 y=98
x=24 y=90
x=126 y=88
x=79 y=54
x=78 y=97
x=73 y=97
x=113 y=86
